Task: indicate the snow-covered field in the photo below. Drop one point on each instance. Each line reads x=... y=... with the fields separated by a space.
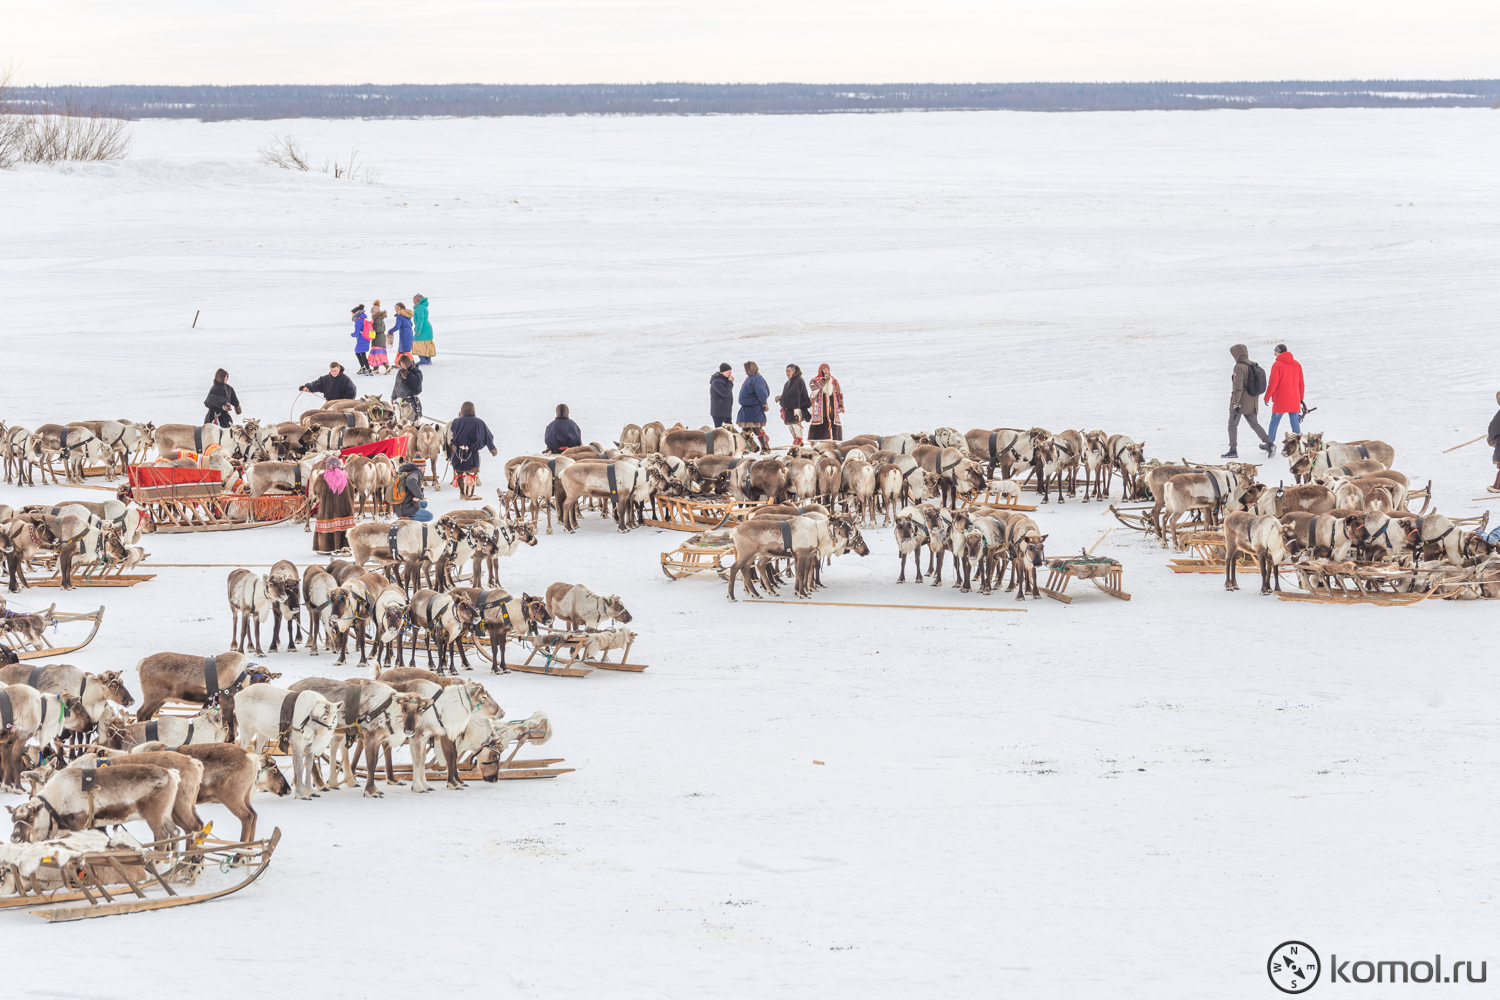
x=1104 y=799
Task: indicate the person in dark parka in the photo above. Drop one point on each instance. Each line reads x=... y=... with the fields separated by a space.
x=409 y=385
x=755 y=399
x=721 y=395
x=562 y=433
x=221 y=397
x=795 y=402
x=334 y=385
x=1493 y=436
x=469 y=434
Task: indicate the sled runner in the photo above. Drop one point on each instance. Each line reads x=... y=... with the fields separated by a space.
x=690 y=558
x=122 y=877
x=28 y=648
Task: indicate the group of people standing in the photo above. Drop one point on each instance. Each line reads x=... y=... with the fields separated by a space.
x=412 y=333
x=820 y=404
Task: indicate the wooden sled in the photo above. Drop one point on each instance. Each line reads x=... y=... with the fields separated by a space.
x=990 y=498
x=698 y=514
x=559 y=653
x=1102 y=572
x=685 y=560
x=1135 y=518
x=27 y=650
x=84 y=574
x=180 y=500
x=104 y=878
x=1208 y=554
x=468 y=768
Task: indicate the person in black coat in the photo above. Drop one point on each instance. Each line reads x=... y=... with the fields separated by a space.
x=221 y=396
x=721 y=395
x=409 y=386
x=562 y=433
x=796 y=404
x=1493 y=436
x=468 y=434
x=334 y=385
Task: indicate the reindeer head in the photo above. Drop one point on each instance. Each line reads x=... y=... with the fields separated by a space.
x=114 y=688
x=268 y=777
x=1029 y=548
x=31 y=823
x=534 y=610
x=846 y=536
x=8 y=655
x=616 y=609
x=525 y=531
x=409 y=707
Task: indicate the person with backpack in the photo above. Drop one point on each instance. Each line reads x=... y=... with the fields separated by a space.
x=361 y=337
x=1247 y=382
x=405 y=494
x=1284 y=391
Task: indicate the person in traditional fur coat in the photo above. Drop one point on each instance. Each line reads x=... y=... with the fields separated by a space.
x=333 y=508
x=469 y=434
x=221 y=397
x=826 y=422
x=795 y=403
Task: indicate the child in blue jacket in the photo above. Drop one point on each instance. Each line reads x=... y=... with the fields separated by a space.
x=361 y=337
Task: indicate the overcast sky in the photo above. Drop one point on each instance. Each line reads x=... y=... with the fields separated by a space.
x=873 y=41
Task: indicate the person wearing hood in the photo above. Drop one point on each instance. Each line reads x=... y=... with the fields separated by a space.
x=361 y=337
x=333 y=507
x=795 y=403
x=408 y=386
x=221 y=397
x=334 y=385
x=721 y=395
x=827 y=420
x=1246 y=384
x=562 y=433
x=1492 y=437
x=1284 y=391
x=422 y=345
x=408 y=499
x=378 y=358
x=403 y=331
x=755 y=401
x=468 y=435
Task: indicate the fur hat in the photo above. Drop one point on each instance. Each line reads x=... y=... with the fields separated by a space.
x=377 y=303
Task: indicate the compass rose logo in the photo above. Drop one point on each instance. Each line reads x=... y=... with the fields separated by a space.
x=1293 y=967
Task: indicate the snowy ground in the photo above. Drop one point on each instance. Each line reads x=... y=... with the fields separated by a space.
x=1104 y=799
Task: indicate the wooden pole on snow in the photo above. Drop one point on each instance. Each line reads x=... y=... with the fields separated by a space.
x=1465 y=444
x=196 y=313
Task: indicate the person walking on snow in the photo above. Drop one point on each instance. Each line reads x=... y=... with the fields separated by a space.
x=755 y=402
x=1284 y=392
x=403 y=332
x=1247 y=382
x=721 y=395
x=1493 y=437
x=361 y=338
x=378 y=357
x=795 y=404
x=334 y=385
x=422 y=345
x=221 y=396
x=468 y=434
x=827 y=407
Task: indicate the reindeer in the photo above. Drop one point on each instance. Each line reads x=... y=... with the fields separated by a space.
x=206 y=726
x=94 y=691
x=231 y=777
x=498 y=614
x=957 y=475
x=534 y=485
x=34 y=714
x=126 y=790
x=249 y=597
x=1272 y=542
x=283 y=590
x=1095 y=460
x=18 y=466
x=1208 y=491
x=387 y=614
x=443 y=618
x=301 y=723
x=195 y=438
x=370 y=712
x=759 y=539
x=627 y=483
x=578 y=607
x=187 y=677
x=911 y=534
x=859 y=486
x=727 y=440
x=189 y=774
x=1126 y=458
x=454 y=704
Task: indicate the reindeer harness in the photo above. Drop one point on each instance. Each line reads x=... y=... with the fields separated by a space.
x=284 y=727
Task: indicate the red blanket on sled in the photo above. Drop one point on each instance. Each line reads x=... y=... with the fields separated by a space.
x=394 y=447
x=165 y=475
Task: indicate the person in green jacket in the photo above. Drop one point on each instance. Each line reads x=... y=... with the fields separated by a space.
x=422 y=345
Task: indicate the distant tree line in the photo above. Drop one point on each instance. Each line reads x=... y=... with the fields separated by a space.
x=470 y=100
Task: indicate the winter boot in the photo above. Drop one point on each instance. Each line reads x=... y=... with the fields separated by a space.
x=1231 y=453
x=1270 y=449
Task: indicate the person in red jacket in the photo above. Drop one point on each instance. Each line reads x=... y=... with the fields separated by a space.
x=1284 y=390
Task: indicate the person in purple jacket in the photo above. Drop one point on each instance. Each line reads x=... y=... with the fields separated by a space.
x=361 y=339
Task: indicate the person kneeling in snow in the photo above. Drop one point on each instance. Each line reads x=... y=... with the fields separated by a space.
x=407 y=494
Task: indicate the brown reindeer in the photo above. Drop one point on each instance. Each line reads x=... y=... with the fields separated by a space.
x=125 y=790
x=628 y=484
x=1272 y=542
x=760 y=539
x=189 y=779
x=186 y=677
x=719 y=441
x=501 y=615
x=232 y=776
